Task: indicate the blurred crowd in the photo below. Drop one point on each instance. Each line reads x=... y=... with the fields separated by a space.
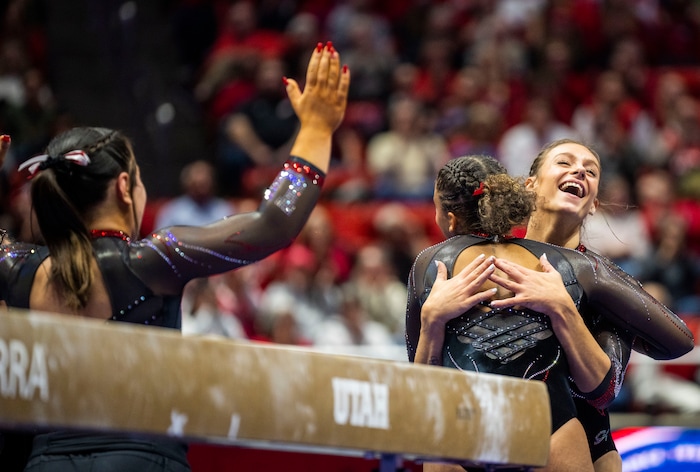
x=431 y=80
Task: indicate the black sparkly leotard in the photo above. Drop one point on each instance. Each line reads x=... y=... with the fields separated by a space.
x=521 y=343
x=145 y=279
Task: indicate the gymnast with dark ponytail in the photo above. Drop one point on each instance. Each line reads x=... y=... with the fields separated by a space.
x=89 y=201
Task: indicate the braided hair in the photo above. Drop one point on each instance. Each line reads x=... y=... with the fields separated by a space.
x=64 y=194
x=482 y=196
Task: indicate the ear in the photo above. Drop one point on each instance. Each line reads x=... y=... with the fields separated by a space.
x=530 y=183
x=451 y=222
x=124 y=188
x=593 y=209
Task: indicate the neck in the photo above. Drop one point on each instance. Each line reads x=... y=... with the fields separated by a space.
x=554 y=229
x=113 y=223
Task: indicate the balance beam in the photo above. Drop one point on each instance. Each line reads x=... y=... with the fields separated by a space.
x=66 y=372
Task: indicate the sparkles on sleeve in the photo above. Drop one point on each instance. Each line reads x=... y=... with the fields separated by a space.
x=617 y=344
x=181 y=253
x=660 y=333
x=412 y=316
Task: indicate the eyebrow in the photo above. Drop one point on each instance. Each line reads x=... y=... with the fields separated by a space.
x=586 y=161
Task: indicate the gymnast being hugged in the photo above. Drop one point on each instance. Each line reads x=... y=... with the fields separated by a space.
x=482 y=329
x=89 y=201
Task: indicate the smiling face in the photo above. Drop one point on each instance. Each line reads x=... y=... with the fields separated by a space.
x=567 y=181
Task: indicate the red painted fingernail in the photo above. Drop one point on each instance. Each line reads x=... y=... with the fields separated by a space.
x=5 y=138
x=329 y=45
x=345 y=69
x=319 y=47
x=285 y=81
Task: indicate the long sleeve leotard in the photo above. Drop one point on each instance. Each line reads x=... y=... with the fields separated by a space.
x=521 y=343
x=145 y=278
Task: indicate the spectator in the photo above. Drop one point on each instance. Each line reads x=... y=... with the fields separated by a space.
x=235 y=53
x=401 y=234
x=617 y=230
x=352 y=326
x=384 y=295
x=259 y=133
x=671 y=263
x=610 y=103
x=201 y=315
x=678 y=142
x=527 y=138
x=292 y=294
x=403 y=161
x=656 y=389
x=198 y=205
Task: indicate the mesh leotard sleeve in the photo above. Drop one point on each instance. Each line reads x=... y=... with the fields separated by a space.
x=660 y=333
x=170 y=257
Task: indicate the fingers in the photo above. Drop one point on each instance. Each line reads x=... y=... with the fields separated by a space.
x=333 y=70
x=293 y=90
x=324 y=66
x=314 y=64
x=511 y=269
x=441 y=270
x=343 y=85
x=544 y=262
x=4 y=147
x=506 y=283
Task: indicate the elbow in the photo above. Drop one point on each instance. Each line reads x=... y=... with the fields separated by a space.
x=682 y=347
x=665 y=352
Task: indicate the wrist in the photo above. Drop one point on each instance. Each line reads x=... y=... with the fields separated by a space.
x=430 y=322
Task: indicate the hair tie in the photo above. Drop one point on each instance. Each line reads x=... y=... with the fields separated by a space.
x=44 y=161
x=479 y=190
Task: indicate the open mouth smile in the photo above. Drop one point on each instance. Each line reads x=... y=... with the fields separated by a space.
x=573 y=188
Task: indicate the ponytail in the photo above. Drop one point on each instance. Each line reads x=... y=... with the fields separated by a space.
x=63 y=193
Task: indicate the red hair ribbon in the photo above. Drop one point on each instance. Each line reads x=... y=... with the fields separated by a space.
x=479 y=190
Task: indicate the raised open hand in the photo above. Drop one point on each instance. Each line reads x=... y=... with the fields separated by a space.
x=324 y=99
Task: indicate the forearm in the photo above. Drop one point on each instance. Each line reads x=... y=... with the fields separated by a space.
x=430 y=344
x=237 y=240
x=588 y=362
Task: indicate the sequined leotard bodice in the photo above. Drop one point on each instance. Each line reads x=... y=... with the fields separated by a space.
x=145 y=278
x=520 y=342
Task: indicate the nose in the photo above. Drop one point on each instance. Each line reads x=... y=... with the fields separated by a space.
x=579 y=171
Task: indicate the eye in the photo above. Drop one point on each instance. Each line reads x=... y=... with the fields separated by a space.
x=592 y=172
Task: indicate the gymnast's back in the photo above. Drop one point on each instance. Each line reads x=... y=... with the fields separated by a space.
x=592 y=281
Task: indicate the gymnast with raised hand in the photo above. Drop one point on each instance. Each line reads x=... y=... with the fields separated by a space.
x=89 y=201
x=477 y=204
